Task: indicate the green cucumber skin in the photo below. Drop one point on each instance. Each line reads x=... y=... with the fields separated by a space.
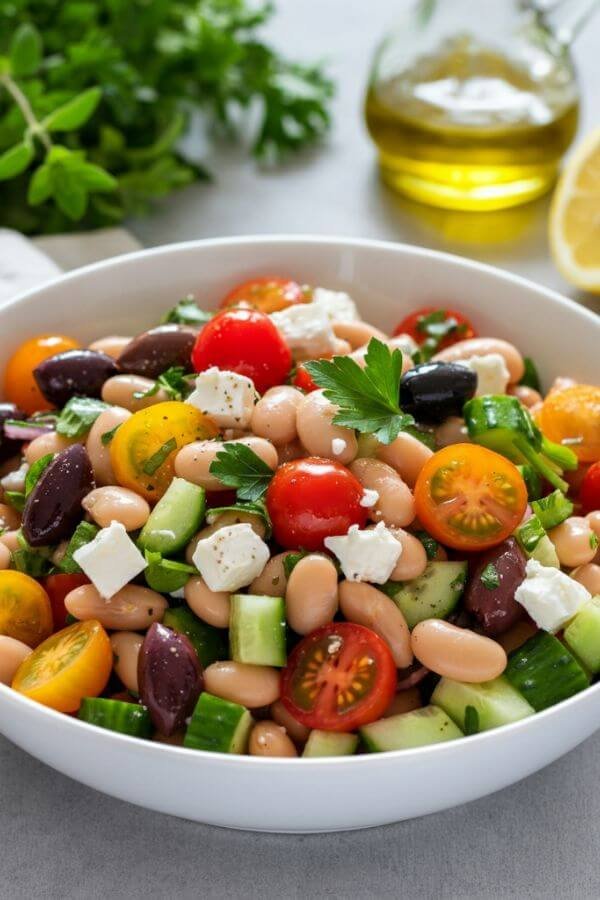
x=209 y=643
x=175 y=519
x=257 y=631
x=330 y=743
x=496 y=702
x=419 y=728
x=583 y=635
x=434 y=594
x=219 y=726
x=116 y=715
x=545 y=672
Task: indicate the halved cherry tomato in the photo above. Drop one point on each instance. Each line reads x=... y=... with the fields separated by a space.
x=444 y=326
x=338 y=678
x=244 y=341
x=469 y=497
x=19 y=384
x=589 y=493
x=57 y=587
x=303 y=380
x=311 y=499
x=143 y=450
x=72 y=664
x=268 y=294
x=25 y=611
x=572 y=417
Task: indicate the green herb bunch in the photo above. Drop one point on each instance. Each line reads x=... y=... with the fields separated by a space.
x=95 y=96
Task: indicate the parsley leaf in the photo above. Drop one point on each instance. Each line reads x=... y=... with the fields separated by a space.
x=291 y=560
x=155 y=461
x=367 y=398
x=430 y=544
x=107 y=437
x=257 y=508
x=35 y=472
x=187 y=312
x=173 y=381
x=237 y=466
x=489 y=577
x=471 y=720
x=436 y=326
x=78 y=416
x=83 y=534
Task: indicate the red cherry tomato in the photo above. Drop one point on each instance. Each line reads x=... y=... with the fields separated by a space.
x=244 y=341
x=458 y=327
x=589 y=493
x=57 y=587
x=268 y=294
x=338 y=678
x=303 y=380
x=311 y=499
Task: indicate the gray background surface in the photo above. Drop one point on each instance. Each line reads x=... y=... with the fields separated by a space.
x=536 y=839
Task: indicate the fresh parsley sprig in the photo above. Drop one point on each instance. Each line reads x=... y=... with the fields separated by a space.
x=174 y=382
x=237 y=466
x=368 y=398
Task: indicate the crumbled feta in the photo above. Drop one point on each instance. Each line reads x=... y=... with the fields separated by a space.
x=368 y=555
x=405 y=343
x=15 y=481
x=549 y=596
x=369 y=498
x=306 y=328
x=228 y=398
x=491 y=371
x=231 y=557
x=338 y=445
x=339 y=306
x=111 y=560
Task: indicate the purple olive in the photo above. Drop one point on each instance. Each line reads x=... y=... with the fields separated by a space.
x=73 y=373
x=169 y=676
x=153 y=352
x=9 y=447
x=495 y=607
x=53 y=508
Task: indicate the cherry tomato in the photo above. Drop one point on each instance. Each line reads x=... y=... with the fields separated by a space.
x=303 y=380
x=469 y=497
x=572 y=417
x=57 y=587
x=19 y=384
x=453 y=326
x=339 y=677
x=247 y=342
x=25 y=611
x=268 y=294
x=143 y=450
x=589 y=493
x=72 y=664
x=311 y=499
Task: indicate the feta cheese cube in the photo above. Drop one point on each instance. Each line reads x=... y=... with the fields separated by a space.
x=368 y=555
x=306 y=328
x=338 y=445
x=550 y=597
x=491 y=371
x=111 y=560
x=231 y=557
x=228 y=398
x=339 y=306
x=369 y=498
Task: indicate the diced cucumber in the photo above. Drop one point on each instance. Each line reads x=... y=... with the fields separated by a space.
x=257 y=630
x=117 y=715
x=545 y=553
x=218 y=725
x=583 y=635
x=429 y=725
x=433 y=595
x=330 y=743
x=535 y=543
x=209 y=643
x=175 y=519
x=545 y=672
x=495 y=702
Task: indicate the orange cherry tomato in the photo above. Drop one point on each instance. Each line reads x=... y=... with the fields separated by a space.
x=469 y=497
x=25 y=610
x=268 y=294
x=19 y=384
x=572 y=417
x=72 y=664
x=144 y=447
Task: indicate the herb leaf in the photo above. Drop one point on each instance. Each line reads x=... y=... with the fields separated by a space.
x=256 y=508
x=430 y=544
x=35 y=472
x=291 y=561
x=78 y=416
x=237 y=466
x=367 y=398
x=436 y=326
x=166 y=575
x=471 y=720
x=173 y=381
x=83 y=534
x=16 y=499
x=107 y=437
x=155 y=461
x=187 y=312
x=489 y=577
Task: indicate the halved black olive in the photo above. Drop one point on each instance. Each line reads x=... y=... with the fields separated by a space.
x=73 y=373
x=53 y=508
x=153 y=352
x=8 y=446
x=433 y=391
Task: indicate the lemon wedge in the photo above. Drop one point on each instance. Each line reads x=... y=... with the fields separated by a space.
x=575 y=217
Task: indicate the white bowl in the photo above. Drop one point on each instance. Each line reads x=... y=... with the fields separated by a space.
x=130 y=293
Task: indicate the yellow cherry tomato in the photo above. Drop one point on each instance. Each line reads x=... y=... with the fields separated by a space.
x=20 y=386
x=25 y=610
x=571 y=417
x=72 y=664
x=144 y=447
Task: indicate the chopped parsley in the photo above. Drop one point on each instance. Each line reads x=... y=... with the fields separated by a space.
x=237 y=466
x=187 y=312
x=155 y=461
x=489 y=577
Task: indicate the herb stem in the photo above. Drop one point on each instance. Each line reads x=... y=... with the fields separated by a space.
x=34 y=125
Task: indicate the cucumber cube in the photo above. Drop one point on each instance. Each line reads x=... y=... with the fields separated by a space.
x=257 y=630
x=430 y=725
x=330 y=743
x=218 y=725
x=583 y=635
x=495 y=702
x=175 y=519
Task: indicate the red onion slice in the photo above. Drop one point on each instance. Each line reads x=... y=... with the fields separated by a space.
x=25 y=432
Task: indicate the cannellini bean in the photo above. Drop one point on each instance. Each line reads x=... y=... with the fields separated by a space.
x=99 y=453
x=9 y=517
x=116 y=504
x=288 y=452
x=272 y=581
x=227 y=518
x=589 y=576
x=194 y=460
x=395 y=505
x=44 y=444
x=412 y=562
x=593 y=520
x=297 y=731
x=210 y=606
x=250 y=686
x=457 y=653
x=274 y=416
x=526 y=395
x=133 y=608
x=113 y=345
x=11 y=540
x=452 y=431
x=574 y=542
x=12 y=654
x=365 y=605
x=126 y=648
x=269 y=739
x=357 y=333
x=4 y=557
x=311 y=597
x=403 y=702
x=120 y=390
x=407 y=455
x=483 y=346
x=59 y=554
x=317 y=433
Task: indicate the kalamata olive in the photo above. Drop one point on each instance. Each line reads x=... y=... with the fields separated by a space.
x=9 y=447
x=75 y=372
x=435 y=390
x=494 y=607
x=169 y=677
x=53 y=508
x=154 y=351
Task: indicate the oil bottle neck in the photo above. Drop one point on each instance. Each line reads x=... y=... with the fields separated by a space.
x=566 y=18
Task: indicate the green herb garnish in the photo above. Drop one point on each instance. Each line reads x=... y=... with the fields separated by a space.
x=107 y=437
x=173 y=382
x=436 y=326
x=237 y=466
x=83 y=534
x=78 y=416
x=155 y=461
x=166 y=575
x=291 y=560
x=187 y=312
x=16 y=499
x=471 y=720
x=257 y=508
x=530 y=375
x=35 y=472
x=489 y=577
x=553 y=509
x=430 y=544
